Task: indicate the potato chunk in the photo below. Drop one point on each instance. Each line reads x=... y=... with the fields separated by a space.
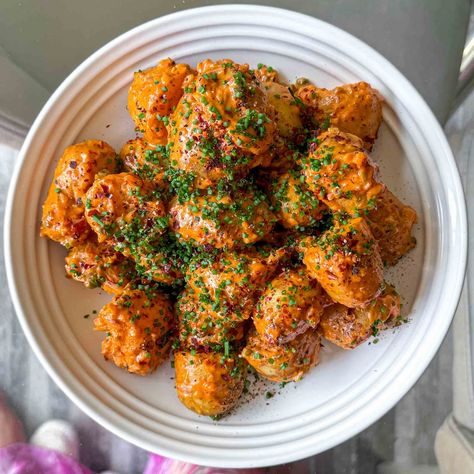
x=283 y=363
x=223 y=220
x=145 y=160
x=63 y=211
x=139 y=326
x=203 y=322
x=340 y=172
x=99 y=265
x=391 y=223
x=223 y=125
x=349 y=327
x=352 y=108
x=125 y=211
x=209 y=383
x=152 y=96
x=287 y=113
x=346 y=262
x=295 y=205
x=290 y=305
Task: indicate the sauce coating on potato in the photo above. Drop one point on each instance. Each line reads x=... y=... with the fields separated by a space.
x=223 y=220
x=295 y=205
x=63 y=211
x=209 y=383
x=99 y=265
x=290 y=305
x=204 y=323
x=391 y=223
x=346 y=262
x=283 y=363
x=349 y=327
x=152 y=96
x=139 y=326
x=124 y=210
x=340 y=172
x=352 y=108
x=147 y=161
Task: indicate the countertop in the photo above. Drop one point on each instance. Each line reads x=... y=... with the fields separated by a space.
x=423 y=40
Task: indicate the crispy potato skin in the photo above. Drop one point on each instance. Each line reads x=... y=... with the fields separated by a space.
x=99 y=265
x=391 y=223
x=290 y=305
x=346 y=262
x=295 y=205
x=283 y=363
x=154 y=93
x=122 y=209
x=63 y=211
x=340 y=172
x=352 y=108
x=140 y=326
x=226 y=221
x=287 y=113
x=209 y=383
x=349 y=327
x=145 y=160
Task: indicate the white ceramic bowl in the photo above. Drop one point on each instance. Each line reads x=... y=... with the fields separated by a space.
x=349 y=390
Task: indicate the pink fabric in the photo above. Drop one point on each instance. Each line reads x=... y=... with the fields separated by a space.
x=160 y=465
x=22 y=458
x=19 y=458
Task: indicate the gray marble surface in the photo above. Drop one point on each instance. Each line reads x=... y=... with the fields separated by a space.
x=405 y=435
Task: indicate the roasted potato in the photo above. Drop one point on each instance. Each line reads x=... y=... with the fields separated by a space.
x=231 y=93
x=153 y=95
x=391 y=223
x=99 y=265
x=204 y=149
x=290 y=305
x=233 y=280
x=125 y=211
x=209 y=383
x=147 y=161
x=223 y=126
x=346 y=261
x=352 y=108
x=63 y=211
x=139 y=326
x=349 y=327
x=223 y=220
x=340 y=172
x=287 y=112
x=203 y=322
x=63 y=220
x=283 y=363
x=296 y=207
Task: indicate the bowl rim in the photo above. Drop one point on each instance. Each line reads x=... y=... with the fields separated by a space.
x=40 y=350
